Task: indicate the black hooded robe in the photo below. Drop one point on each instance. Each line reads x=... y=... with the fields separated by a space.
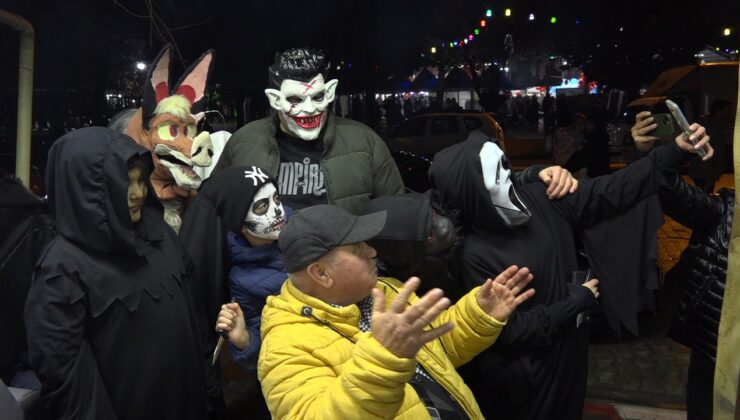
x=532 y=371
x=111 y=327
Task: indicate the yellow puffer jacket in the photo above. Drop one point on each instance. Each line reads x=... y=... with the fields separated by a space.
x=315 y=363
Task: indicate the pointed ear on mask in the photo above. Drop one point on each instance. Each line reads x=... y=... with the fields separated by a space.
x=194 y=81
x=330 y=88
x=275 y=98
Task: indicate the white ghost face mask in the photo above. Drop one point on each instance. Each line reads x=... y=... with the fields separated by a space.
x=266 y=215
x=497 y=178
x=303 y=105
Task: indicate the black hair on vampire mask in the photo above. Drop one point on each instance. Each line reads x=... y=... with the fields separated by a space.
x=302 y=64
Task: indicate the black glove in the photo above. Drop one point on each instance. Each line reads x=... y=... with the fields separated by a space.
x=580 y=298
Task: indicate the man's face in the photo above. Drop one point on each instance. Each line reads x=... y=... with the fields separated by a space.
x=266 y=215
x=136 y=193
x=353 y=271
x=303 y=105
x=441 y=236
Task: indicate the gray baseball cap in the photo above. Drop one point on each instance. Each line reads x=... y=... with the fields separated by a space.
x=314 y=231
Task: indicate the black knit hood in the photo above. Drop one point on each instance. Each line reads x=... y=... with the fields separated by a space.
x=231 y=208
x=457 y=175
x=87 y=180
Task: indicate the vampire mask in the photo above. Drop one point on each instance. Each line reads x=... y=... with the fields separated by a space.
x=303 y=105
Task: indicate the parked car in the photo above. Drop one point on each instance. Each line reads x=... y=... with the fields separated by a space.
x=414 y=170
x=427 y=134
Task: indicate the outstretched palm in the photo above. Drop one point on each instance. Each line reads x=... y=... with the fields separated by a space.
x=401 y=328
x=500 y=297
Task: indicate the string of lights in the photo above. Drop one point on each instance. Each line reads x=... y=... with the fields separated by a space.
x=487 y=20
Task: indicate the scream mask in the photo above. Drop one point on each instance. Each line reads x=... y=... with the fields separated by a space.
x=497 y=179
x=266 y=215
x=303 y=105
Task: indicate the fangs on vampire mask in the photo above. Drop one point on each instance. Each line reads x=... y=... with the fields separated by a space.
x=303 y=105
x=266 y=215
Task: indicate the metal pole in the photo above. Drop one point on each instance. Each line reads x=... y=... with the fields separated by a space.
x=25 y=93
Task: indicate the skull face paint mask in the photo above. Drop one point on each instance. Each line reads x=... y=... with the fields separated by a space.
x=266 y=215
x=303 y=105
x=497 y=178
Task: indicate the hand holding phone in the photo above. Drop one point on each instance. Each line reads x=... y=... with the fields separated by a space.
x=684 y=125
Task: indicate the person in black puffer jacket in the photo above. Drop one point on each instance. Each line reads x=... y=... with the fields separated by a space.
x=696 y=322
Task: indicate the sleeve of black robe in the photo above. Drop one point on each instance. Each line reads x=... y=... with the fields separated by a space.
x=600 y=198
x=535 y=327
x=61 y=355
x=529 y=174
x=618 y=216
x=202 y=238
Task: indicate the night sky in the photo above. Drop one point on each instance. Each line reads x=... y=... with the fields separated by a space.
x=91 y=46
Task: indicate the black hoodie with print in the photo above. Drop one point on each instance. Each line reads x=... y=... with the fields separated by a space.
x=535 y=370
x=111 y=327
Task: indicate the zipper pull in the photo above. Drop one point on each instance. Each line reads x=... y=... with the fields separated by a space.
x=307 y=311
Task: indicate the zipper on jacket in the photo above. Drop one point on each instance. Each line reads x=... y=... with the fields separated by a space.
x=307 y=311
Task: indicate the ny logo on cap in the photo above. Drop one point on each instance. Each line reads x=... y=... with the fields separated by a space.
x=254 y=174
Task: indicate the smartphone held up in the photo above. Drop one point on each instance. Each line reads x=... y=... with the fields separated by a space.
x=664 y=125
x=684 y=125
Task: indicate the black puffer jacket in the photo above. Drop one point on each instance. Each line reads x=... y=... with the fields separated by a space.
x=710 y=217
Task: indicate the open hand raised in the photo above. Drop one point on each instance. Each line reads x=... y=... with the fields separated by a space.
x=500 y=297
x=400 y=329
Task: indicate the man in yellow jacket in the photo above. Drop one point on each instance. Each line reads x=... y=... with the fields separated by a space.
x=341 y=343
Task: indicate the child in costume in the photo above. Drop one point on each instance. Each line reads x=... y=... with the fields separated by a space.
x=237 y=217
x=112 y=332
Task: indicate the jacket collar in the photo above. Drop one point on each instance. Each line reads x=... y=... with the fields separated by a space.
x=320 y=309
